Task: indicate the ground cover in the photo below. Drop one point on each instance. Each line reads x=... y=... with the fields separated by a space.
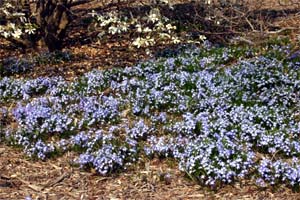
x=220 y=122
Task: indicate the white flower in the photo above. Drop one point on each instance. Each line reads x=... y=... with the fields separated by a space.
x=112 y=30
x=30 y=31
x=170 y=27
x=93 y=13
x=11 y=25
x=139 y=28
x=147 y=30
x=6 y=34
x=138 y=42
x=17 y=33
x=202 y=37
x=8 y=5
x=159 y=25
x=175 y=40
x=153 y=18
x=103 y=23
x=29 y=28
x=124 y=27
x=6 y=12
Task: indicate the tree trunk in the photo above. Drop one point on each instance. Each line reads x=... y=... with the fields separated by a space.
x=53 y=18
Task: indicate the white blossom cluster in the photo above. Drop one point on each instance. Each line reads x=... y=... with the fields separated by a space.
x=16 y=24
x=147 y=31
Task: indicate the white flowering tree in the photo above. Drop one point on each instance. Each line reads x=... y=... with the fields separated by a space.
x=25 y=22
x=14 y=23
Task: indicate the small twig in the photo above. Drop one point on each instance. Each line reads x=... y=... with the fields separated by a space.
x=55 y=166
x=220 y=33
x=245 y=40
x=4 y=177
x=281 y=30
x=31 y=186
x=59 y=179
x=250 y=24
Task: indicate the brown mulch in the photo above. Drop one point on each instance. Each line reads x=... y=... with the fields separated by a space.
x=59 y=179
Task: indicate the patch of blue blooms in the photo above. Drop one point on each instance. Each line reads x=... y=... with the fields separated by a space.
x=15 y=65
x=222 y=121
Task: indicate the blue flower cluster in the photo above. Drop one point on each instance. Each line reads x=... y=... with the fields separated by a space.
x=41 y=116
x=223 y=114
x=106 y=153
x=279 y=171
x=15 y=65
x=12 y=89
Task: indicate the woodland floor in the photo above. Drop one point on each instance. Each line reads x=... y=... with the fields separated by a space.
x=58 y=179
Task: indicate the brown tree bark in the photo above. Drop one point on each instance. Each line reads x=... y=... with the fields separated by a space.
x=53 y=19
